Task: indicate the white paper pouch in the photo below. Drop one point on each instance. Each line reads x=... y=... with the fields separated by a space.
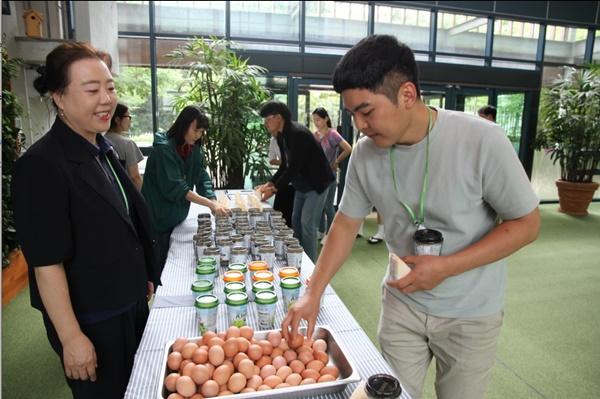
x=397 y=267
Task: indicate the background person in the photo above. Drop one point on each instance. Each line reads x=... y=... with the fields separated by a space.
x=284 y=199
x=450 y=306
x=488 y=112
x=336 y=149
x=174 y=167
x=84 y=229
x=305 y=166
x=128 y=151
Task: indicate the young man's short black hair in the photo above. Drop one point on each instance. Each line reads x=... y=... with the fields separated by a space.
x=378 y=63
x=488 y=110
x=276 y=108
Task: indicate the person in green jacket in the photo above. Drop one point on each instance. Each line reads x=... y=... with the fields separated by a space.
x=174 y=167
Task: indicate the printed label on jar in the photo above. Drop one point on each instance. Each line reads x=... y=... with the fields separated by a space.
x=290 y=296
x=206 y=320
x=238 y=258
x=266 y=316
x=433 y=249
x=269 y=258
x=225 y=253
x=294 y=259
x=236 y=314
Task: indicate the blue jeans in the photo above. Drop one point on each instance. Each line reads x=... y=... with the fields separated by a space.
x=328 y=210
x=308 y=208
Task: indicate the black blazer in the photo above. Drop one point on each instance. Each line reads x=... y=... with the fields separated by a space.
x=66 y=211
x=303 y=161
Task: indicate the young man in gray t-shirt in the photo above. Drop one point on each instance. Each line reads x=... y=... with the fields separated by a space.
x=427 y=170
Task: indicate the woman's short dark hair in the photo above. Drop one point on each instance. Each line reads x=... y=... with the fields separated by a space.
x=276 y=108
x=54 y=76
x=378 y=63
x=322 y=112
x=120 y=111
x=185 y=118
x=488 y=110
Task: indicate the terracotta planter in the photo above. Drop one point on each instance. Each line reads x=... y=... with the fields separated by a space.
x=574 y=198
x=14 y=276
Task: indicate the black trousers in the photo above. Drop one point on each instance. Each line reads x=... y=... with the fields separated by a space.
x=284 y=202
x=162 y=249
x=115 y=341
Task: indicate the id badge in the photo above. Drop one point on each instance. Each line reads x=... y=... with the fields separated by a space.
x=427 y=241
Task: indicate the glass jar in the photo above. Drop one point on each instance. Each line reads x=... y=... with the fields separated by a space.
x=225 y=247
x=234 y=286
x=233 y=275
x=206 y=272
x=238 y=255
x=237 y=308
x=206 y=313
x=262 y=275
x=288 y=271
x=266 y=305
x=267 y=254
x=202 y=287
x=215 y=253
x=294 y=256
x=290 y=291
x=261 y=285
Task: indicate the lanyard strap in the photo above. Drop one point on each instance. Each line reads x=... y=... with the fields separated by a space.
x=417 y=221
x=119 y=183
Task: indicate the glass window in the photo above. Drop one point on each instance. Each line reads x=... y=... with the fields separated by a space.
x=409 y=25
x=265 y=19
x=565 y=45
x=509 y=115
x=515 y=39
x=459 y=60
x=190 y=17
x=169 y=82
x=133 y=16
x=596 y=55
x=336 y=22
x=461 y=34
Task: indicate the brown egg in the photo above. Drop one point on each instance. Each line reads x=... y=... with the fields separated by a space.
x=184 y=363
x=216 y=341
x=256 y=370
x=290 y=355
x=297 y=366
x=310 y=373
x=279 y=361
x=222 y=374
x=188 y=350
x=303 y=348
x=277 y=351
x=284 y=372
x=197 y=396
x=284 y=345
x=187 y=370
x=238 y=358
x=307 y=381
x=237 y=382
x=247 y=332
x=282 y=385
x=222 y=388
x=272 y=381
x=174 y=360
x=320 y=345
x=247 y=390
x=331 y=370
x=243 y=344
x=246 y=367
x=175 y=396
x=274 y=338
x=216 y=355
x=321 y=356
x=170 y=381
x=207 y=337
x=267 y=370
x=229 y=365
x=225 y=392
x=293 y=379
x=200 y=374
x=297 y=341
x=263 y=361
x=255 y=352
x=209 y=389
x=233 y=332
x=200 y=355
x=222 y=335
x=315 y=365
x=178 y=344
x=230 y=347
x=306 y=357
x=185 y=386
x=263 y=388
x=326 y=378
x=254 y=382
x=266 y=346
x=210 y=367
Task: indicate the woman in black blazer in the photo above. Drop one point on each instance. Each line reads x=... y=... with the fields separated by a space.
x=84 y=229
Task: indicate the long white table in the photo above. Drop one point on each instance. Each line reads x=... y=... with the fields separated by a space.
x=173 y=315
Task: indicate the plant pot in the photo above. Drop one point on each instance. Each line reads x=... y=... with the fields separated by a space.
x=574 y=198
x=14 y=276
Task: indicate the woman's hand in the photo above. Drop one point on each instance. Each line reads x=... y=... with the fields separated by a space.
x=219 y=210
x=79 y=358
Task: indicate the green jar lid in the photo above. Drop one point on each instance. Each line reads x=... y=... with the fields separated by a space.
x=234 y=286
x=207 y=261
x=262 y=286
x=265 y=297
x=207 y=302
x=290 y=282
x=208 y=269
x=202 y=285
x=236 y=298
x=237 y=266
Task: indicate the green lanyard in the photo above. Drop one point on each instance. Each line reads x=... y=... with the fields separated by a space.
x=119 y=183
x=417 y=221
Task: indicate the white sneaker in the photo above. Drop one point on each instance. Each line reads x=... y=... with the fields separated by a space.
x=324 y=239
x=320 y=235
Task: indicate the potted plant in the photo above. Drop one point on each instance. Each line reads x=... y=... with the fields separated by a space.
x=570 y=132
x=226 y=86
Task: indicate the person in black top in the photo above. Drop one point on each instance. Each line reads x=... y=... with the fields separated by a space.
x=84 y=229
x=305 y=166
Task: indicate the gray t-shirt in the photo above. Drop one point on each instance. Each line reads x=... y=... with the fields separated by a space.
x=126 y=148
x=475 y=177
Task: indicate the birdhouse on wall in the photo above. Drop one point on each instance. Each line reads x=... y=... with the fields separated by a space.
x=33 y=23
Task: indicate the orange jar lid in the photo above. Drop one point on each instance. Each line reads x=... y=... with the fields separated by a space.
x=262 y=275
x=288 y=271
x=233 y=275
x=256 y=265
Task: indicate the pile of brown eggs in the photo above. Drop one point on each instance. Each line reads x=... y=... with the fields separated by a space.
x=235 y=362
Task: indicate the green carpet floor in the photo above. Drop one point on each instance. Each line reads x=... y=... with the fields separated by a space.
x=549 y=346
